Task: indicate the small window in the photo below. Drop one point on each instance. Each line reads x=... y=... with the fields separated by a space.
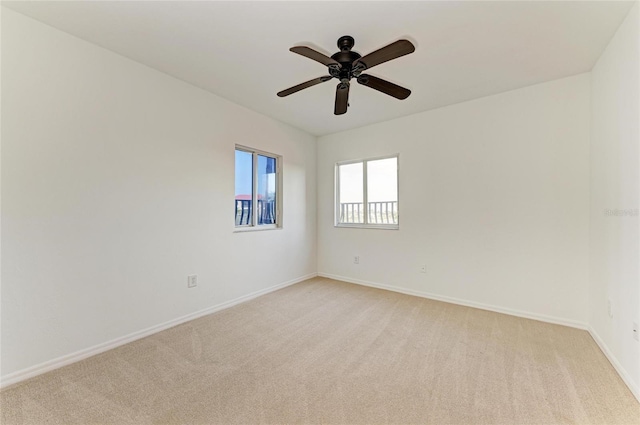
x=367 y=193
x=257 y=194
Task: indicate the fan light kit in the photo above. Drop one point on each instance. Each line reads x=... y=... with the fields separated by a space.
x=347 y=64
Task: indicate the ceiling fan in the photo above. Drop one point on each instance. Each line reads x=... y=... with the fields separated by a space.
x=347 y=64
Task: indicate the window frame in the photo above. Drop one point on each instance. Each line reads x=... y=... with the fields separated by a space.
x=254 y=226
x=365 y=200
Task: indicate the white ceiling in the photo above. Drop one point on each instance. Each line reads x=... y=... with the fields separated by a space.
x=240 y=50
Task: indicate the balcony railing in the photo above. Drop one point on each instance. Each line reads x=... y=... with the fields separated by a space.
x=266 y=212
x=350 y=212
x=378 y=212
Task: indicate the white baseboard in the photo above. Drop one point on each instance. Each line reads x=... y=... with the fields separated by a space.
x=635 y=389
x=59 y=362
x=467 y=303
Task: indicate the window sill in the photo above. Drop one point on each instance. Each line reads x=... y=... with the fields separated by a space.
x=255 y=229
x=369 y=226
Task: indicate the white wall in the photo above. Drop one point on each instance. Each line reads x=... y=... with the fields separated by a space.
x=615 y=184
x=494 y=199
x=117 y=182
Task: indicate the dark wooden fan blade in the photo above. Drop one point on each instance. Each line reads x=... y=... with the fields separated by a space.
x=315 y=55
x=304 y=85
x=342 y=99
x=384 y=86
x=392 y=51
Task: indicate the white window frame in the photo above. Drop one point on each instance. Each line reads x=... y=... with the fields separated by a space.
x=254 y=226
x=366 y=224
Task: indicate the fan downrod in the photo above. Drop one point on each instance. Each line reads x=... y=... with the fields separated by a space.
x=345 y=43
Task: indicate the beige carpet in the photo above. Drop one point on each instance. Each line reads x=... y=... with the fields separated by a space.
x=324 y=351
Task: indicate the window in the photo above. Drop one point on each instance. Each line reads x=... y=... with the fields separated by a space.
x=257 y=194
x=367 y=193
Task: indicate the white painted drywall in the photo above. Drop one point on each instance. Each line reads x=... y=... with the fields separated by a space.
x=494 y=200
x=117 y=183
x=615 y=185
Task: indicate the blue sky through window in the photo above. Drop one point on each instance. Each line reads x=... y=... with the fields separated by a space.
x=244 y=174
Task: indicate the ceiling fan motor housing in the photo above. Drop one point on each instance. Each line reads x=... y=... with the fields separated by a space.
x=345 y=57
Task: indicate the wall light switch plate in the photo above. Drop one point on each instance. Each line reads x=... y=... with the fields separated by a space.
x=192 y=281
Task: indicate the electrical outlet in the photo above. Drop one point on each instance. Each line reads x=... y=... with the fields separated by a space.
x=192 y=280
x=423 y=269
x=356 y=260
x=635 y=331
x=609 y=308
